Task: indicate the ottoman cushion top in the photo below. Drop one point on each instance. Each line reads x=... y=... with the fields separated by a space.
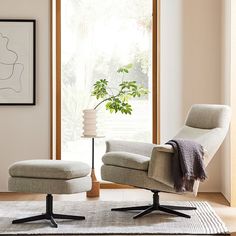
x=49 y=169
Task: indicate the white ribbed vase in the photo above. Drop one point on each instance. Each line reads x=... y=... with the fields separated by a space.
x=90 y=122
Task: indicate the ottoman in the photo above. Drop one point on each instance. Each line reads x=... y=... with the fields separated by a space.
x=49 y=177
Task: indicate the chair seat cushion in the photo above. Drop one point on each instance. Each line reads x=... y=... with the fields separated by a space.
x=127 y=160
x=49 y=169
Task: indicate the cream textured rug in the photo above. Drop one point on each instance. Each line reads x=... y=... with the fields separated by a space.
x=100 y=220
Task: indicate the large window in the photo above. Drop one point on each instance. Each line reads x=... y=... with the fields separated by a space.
x=98 y=37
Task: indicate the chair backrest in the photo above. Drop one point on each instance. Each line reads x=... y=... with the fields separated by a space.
x=207 y=124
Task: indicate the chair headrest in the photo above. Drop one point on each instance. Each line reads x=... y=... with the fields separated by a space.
x=209 y=116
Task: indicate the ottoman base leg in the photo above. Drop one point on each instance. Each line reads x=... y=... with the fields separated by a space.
x=49 y=215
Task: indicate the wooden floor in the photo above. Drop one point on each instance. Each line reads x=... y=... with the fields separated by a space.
x=217 y=201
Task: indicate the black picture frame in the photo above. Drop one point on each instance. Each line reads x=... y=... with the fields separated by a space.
x=18 y=62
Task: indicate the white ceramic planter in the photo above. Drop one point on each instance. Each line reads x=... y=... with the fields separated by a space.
x=90 y=122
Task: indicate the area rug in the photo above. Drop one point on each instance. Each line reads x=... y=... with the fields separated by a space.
x=100 y=220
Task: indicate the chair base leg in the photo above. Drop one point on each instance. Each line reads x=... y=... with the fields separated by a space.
x=49 y=215
x=29 y=219
x=156 y=207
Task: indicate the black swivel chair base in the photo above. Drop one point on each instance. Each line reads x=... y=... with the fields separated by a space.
x=49 y=215
x=156 y=206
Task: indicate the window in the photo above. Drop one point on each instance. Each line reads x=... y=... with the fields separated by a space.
x=97 y=38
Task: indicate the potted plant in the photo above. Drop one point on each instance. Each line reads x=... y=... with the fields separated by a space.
x=115 y=99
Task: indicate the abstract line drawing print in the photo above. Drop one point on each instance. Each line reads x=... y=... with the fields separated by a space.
x=10 y=69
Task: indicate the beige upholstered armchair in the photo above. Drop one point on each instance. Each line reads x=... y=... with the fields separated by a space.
x=148 y=166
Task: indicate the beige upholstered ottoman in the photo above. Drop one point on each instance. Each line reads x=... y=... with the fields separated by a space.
x=49 y=177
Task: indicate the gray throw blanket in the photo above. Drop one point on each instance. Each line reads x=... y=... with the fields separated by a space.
x=187 y=164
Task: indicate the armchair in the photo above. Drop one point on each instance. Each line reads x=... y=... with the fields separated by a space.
x=148 y=166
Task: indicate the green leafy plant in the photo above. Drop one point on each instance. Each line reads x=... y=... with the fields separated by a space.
x=119 y=101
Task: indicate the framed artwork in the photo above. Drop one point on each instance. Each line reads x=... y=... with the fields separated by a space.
x=17 y=62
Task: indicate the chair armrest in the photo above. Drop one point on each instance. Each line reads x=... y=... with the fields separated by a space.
x=164 y=148
x=160 y=164
x=140 y=148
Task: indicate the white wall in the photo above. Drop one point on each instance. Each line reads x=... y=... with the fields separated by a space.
x=226 y=94
x=232 y=163
x=190 y=66
x=25 y=130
